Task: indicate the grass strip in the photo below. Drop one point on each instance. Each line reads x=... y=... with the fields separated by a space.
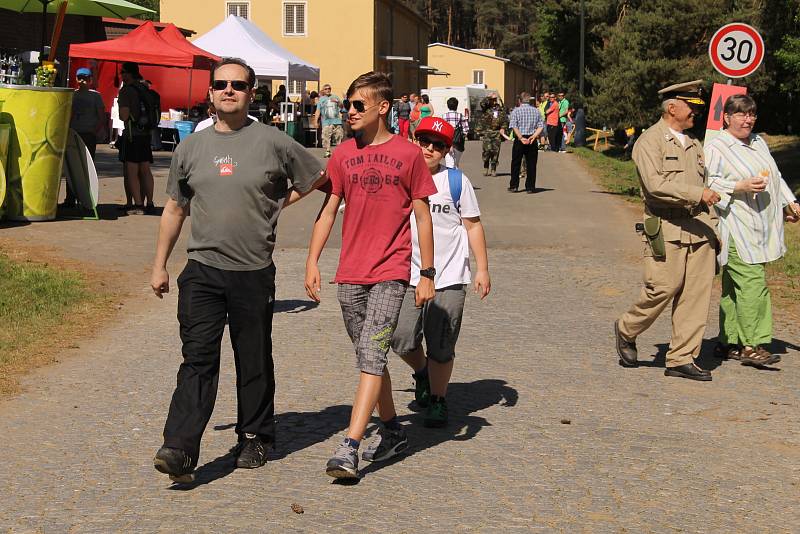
x=34 y=299
x=615 y=174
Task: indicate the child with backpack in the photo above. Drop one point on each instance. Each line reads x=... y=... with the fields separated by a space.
x=457 y=228
x=460 y=130
x=384 y=179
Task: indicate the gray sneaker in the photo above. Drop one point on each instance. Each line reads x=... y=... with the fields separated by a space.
x=388 y=444
x=344 y=463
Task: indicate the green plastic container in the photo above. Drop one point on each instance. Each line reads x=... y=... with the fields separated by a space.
x=38 y=123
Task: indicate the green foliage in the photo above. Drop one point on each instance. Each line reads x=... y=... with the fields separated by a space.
x=155 y=5
x=633 y=48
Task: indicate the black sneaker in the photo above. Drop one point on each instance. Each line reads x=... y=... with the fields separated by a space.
x=252 y=453
x=388 y=444
x=436 y=415
x=176 y=463
x=422 y=390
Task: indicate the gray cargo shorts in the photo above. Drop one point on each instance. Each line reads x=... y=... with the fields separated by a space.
x=370 y=315
x=439 y=321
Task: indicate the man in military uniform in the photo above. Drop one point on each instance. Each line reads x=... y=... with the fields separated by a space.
x=491 y=127
x=680 y=235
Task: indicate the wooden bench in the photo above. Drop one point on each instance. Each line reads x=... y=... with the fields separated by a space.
x=599 y=135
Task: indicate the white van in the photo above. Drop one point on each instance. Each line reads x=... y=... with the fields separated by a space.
x=469 y=101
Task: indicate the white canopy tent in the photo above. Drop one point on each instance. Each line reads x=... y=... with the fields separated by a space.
x=238 y=37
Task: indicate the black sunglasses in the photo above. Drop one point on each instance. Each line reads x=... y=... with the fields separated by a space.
x=238 y=85
x=358 y=105
x=425 y=142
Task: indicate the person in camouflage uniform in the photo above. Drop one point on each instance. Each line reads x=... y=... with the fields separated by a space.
x=491 y=127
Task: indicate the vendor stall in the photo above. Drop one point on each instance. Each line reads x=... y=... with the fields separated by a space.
x=180 y=72
x=238 y=37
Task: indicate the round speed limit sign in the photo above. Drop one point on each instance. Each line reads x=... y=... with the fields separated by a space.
x=736 y=50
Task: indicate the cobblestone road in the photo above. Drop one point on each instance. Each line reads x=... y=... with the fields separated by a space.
x=547 y=434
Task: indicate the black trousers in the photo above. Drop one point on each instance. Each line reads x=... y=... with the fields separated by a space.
x=554 y=135
x=531 y=155
x=206 y=298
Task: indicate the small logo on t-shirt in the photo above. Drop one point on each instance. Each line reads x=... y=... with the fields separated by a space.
x=371 y=181
x=225 y=164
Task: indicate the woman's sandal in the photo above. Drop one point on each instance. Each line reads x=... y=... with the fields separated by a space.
x=758 y=357
x=727 y=352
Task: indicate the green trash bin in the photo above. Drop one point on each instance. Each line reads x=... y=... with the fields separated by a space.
x=38 y=120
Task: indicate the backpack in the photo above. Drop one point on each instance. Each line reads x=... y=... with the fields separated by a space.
x=330 y=109
x=149 y=112
x=458 y=135
x=454 y=177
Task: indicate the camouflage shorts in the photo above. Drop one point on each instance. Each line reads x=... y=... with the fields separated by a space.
x=370 y=315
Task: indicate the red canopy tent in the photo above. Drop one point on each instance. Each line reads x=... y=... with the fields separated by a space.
x=180 y=71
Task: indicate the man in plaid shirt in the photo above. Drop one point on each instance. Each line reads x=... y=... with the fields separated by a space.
x=526 y=121
x=455 y=118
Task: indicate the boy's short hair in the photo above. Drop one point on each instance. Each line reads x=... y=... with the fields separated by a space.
x=452 y=103
x=377 y=84
x=251 y=74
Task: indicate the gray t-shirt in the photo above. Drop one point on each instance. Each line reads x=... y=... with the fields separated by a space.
x=236 y=183
x=87 y=111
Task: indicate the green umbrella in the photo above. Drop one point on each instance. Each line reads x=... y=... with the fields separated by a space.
x=94 y=8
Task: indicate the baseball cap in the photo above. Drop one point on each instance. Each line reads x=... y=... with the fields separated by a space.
x=83 y=71
x=437 y=127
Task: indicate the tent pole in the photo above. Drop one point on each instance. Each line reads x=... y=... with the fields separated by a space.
x=189 y=96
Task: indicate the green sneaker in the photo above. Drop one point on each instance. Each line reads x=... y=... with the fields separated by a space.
x=422 y=390
x=436 y=414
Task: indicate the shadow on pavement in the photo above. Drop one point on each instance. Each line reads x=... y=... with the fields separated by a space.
x=295 y=431
x=463 y=399
x=294 y=306
x=708 y=361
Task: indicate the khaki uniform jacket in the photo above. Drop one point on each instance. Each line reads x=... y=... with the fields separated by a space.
x=673 y=178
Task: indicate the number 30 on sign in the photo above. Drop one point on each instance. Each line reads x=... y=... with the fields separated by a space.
x=736 y=50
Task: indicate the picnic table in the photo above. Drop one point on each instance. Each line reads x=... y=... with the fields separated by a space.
x=599 y=135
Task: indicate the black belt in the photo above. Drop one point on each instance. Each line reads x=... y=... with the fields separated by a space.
x=677 y=213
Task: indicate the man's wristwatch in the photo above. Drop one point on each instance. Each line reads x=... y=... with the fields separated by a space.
x=430 y=272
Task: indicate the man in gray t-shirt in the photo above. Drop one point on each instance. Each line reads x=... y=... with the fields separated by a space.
x=235 y=177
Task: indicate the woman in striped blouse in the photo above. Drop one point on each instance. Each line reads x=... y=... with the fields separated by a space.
x=755 y=201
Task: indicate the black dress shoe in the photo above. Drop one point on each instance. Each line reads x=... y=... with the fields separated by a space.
x=628 y=355
x=690 y=371
x=512 y=189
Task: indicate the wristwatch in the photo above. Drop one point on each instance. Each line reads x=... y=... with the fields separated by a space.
x=430 y=272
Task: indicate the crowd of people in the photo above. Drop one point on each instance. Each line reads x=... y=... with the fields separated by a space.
x=724 y=205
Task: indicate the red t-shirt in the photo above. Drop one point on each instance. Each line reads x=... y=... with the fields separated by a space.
x=552 y=117
x=378 y=183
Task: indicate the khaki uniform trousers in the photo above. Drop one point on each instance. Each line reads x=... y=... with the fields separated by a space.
x=683 y=279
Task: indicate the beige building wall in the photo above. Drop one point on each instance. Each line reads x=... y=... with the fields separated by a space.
x=344 y=41
x=498 y=73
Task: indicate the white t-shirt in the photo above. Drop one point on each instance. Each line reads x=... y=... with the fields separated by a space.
x=450 y=243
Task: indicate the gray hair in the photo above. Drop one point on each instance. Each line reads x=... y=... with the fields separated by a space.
x=665 y=104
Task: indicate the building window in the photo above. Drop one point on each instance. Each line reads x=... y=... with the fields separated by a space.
x=240 y=9
x=477 y=77
x=296 y=87
x=294 y=18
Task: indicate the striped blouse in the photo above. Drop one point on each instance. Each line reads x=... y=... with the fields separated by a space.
x=754 y=220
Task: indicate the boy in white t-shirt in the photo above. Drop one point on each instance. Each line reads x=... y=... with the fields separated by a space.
x=457 y=228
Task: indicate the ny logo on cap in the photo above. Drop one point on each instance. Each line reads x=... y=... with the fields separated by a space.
x=438 y=125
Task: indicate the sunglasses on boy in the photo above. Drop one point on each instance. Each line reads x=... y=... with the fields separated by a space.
x=358 y=105
x=238 y=85
x=425 y=142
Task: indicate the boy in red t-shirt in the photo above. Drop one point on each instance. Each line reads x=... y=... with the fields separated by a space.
x=383 y=178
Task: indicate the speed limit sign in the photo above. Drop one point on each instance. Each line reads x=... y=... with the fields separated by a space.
x=736 y=50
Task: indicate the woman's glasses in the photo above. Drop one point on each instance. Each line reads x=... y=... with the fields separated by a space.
x=238 y=85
